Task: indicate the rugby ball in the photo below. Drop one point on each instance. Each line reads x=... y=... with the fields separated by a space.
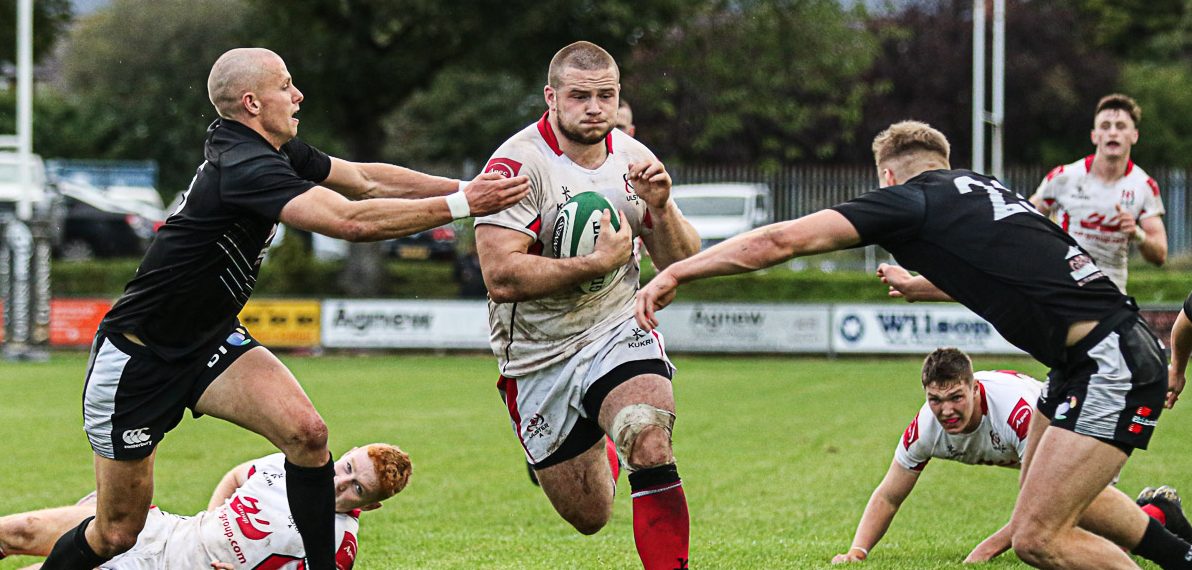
x=576 y=230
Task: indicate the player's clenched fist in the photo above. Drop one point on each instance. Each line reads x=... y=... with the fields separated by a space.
x=490 y=192
x=615 y=245
x=651 y=182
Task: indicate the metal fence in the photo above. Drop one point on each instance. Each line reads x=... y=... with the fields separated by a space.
x=801 y=190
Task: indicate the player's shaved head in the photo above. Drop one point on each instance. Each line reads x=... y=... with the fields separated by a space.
x=235 y=73
x=910 y=147
x=946 y=366
x=393 y=468
x=585 y=56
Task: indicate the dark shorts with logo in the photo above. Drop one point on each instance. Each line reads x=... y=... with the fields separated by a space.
x=132 y=397
x=1112 y=386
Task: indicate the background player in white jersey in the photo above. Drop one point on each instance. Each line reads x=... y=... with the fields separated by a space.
x=573 y=365
x=1105 y=200
x=980 y=418
x=246 y=525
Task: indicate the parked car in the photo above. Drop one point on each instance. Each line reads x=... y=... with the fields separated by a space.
x=98 y=224
x=722 y=210
x=436 y=243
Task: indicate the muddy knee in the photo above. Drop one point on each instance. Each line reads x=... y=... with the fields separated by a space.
x=642 y=434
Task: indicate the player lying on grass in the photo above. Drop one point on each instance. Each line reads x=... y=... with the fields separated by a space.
x=975 y=419
x=246 y=524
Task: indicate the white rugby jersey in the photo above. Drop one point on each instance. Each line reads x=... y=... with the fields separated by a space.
x=1085 y=206
x=1007 y=405
x=252 y=530
x=530 y=335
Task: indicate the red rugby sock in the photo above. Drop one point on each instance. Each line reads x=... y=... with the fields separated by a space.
x=661 y=527
x=1155 y=513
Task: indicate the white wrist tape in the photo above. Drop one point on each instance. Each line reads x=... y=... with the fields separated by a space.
x=863 y=551
x=458 y=203
x=1139 y=234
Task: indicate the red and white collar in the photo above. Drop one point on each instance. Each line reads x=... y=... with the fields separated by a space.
x=548 y=134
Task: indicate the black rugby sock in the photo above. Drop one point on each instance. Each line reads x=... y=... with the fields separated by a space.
x=1162 y=547
x=311 y=494
x=72 y=552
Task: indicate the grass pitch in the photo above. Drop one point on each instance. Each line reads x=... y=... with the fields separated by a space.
x=778 y=458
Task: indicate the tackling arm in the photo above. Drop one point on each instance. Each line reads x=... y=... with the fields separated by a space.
x=883 y=505
x=821 y=232
x=512 y=274
x=323 y=211
x=231 y=481
x=361 y=180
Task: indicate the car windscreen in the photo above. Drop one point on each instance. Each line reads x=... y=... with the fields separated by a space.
x=711 y=205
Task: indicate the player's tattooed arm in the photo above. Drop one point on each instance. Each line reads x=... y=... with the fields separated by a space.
x=231 y=481
x=913 y=288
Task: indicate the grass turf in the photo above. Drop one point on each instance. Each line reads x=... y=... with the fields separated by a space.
x=778 y=458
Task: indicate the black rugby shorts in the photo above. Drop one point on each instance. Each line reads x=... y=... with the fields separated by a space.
x=1112 y=386
x=132 y=397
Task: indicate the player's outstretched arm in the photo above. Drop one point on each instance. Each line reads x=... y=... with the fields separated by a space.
x=323 y=211
x=231 y=481
x=362 y=180
x=673 y=237
x=913 y=288
x=883 y=505
x=1181 y=347
x=512 y=274
x=821 y=232
x=991 y=547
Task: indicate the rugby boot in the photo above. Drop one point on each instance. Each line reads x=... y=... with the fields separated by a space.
x=1166 y=499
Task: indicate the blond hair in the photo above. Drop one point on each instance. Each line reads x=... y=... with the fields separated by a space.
x=910 y=139
x=579 y=55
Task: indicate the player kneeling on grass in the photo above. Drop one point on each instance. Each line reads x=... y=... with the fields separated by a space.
x=977 y=419
x=246 y=524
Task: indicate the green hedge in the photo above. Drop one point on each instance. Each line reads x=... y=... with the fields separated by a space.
x=434 y=280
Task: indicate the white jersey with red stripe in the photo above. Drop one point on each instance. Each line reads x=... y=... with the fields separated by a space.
x=252 y=530
x=531 y=335
x=1086 y=207
x=1007 y=405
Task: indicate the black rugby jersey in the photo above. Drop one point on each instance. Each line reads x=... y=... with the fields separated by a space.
x=203 y=264
x=989 y=249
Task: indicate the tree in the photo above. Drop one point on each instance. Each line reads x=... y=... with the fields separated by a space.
x=359 y=61
x=1053 y=77
x=50 y=19
x=144 y=94
x=774 y=81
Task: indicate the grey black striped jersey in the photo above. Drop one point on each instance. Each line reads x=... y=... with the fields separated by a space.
x=203 y=264
x=991 y=250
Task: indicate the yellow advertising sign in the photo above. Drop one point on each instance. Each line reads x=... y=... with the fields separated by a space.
x=288 y=323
